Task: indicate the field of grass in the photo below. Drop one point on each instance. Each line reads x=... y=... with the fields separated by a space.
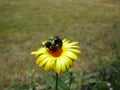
x=95 y=24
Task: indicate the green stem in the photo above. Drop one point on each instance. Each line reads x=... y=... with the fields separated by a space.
x=56 y=88
x=71 y=79
x=70 y=84
x=34 y=88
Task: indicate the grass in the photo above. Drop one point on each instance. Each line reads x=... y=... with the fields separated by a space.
x=24 y=24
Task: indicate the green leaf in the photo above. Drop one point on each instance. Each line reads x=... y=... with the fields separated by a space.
x=17 y=87
x=89 y=81
x=49 y=83
x=61 y=84
x=76 y=76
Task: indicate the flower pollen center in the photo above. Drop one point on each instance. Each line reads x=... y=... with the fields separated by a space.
x=56 y=51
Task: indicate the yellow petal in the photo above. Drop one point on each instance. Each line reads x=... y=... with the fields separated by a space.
x=70 y=44
x=73 y=43
x=49 y=64
x=43 y=43
x=44 y=61
x=63 y=68
x=75 y=51
x=41 y=57
x=74 y=46
x=64 y=47
x=35 y=53
x=70 y=62
x=57 y=66
x=39 y=51
x=65 y=41
x=66 y=61
x=71 y=55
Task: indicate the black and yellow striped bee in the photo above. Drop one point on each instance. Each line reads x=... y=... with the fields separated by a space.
x=53 y=42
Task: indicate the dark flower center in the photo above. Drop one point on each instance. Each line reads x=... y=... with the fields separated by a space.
x=55 y=52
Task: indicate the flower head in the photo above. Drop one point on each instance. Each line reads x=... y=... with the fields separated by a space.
x=57 y=54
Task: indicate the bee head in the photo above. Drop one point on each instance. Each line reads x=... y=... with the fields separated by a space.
x=48 y=45
x=58 y=41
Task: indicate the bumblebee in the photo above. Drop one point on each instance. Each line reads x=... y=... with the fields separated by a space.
x=53 y=42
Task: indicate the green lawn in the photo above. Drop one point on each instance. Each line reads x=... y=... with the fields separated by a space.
x=24 y=24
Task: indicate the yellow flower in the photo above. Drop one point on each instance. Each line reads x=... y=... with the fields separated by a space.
x=57 y=54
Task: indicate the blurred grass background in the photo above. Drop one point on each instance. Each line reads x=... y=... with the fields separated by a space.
x=24 y=24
